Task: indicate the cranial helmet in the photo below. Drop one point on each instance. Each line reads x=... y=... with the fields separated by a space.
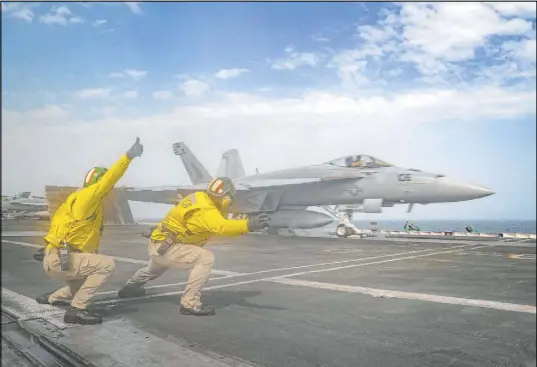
x=223 y=189
x=94 y=175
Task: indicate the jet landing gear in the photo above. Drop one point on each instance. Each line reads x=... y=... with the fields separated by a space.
x=342 y=231
x=345 y=227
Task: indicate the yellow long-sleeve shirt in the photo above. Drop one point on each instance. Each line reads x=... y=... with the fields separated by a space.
x=79 y=218
x=195 y=219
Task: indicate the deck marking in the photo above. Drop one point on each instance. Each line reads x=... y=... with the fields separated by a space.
x=230 y=274
x=375 y=292
x=457 y=248
x=124 y=259
x=26 y=308
x=269 y=270
x=23 y=233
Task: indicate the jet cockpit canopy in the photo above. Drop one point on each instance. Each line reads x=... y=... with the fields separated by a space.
x=359 y=161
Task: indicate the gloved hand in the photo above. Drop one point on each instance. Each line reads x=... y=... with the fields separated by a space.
x=257 y=222
x=39 y=255
x=136 y=150
x=149 y=232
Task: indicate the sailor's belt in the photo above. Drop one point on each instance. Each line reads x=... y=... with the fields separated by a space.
x=71 y=249
x=161 y=241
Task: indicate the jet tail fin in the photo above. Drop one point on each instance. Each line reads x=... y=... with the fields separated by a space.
x=231 y=165
x=197 y=173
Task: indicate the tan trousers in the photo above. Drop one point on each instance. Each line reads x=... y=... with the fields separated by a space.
x=200 y=261
x=86 y=274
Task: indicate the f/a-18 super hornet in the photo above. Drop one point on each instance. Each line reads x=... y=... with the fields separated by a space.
x=24 y=205
x=355 y=183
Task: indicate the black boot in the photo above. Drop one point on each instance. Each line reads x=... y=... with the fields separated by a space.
x=130 y=291
x=43 y=299
x=202 y=310
x=77 y=316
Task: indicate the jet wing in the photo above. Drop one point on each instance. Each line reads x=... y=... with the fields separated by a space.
x=247 y=201
x=253 y=195
x=29 y=203
x=265 y=183
x=161 y=195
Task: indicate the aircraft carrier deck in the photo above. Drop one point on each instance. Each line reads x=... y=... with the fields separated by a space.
x=289 y=302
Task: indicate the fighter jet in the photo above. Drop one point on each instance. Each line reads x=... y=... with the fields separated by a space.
x=22 y=205
x=354 y=183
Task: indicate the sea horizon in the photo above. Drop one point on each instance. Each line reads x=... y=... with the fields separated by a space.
x=436 y=225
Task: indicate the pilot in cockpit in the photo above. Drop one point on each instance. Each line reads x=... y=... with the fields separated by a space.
x=367 y=162
x=354 y=161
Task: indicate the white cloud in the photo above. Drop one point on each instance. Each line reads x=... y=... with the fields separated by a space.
x=351 y=67
x=49 y=113
x=438 y=39
x=19 y=11
x=99 y=22
x=295 y=60
x=162 y=95
x=513 y=8
x=60 y=15
x=431 y=30
x=93 y=93
x=131 y=73
x=418 y=106
x=135 y=74
x=321 y=39
x=76 y=20
x=195 y=88
x=116 y=75
x=230 y=73
x=131 y=94
x=525 y=49
x=134 y=7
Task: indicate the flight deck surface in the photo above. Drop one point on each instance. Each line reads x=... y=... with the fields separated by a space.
x=296 y=302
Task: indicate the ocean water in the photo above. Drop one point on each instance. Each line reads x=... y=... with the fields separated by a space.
x=484 y=226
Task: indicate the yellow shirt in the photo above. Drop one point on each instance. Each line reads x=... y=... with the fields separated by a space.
x=195 y=219
x=79 y=218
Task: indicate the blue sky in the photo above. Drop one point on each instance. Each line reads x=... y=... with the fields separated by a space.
x=443 y=86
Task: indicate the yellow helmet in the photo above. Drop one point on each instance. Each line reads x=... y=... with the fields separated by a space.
x=222 y=189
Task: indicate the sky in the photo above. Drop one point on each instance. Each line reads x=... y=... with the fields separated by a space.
x=448 y=88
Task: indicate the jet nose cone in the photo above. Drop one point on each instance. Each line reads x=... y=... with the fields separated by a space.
x=483 y=191
x=460 y=191
x=473 y=191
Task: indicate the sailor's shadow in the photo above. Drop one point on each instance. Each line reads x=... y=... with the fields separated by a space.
x=224 y=298
x=111 y=311
x=218 y=298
